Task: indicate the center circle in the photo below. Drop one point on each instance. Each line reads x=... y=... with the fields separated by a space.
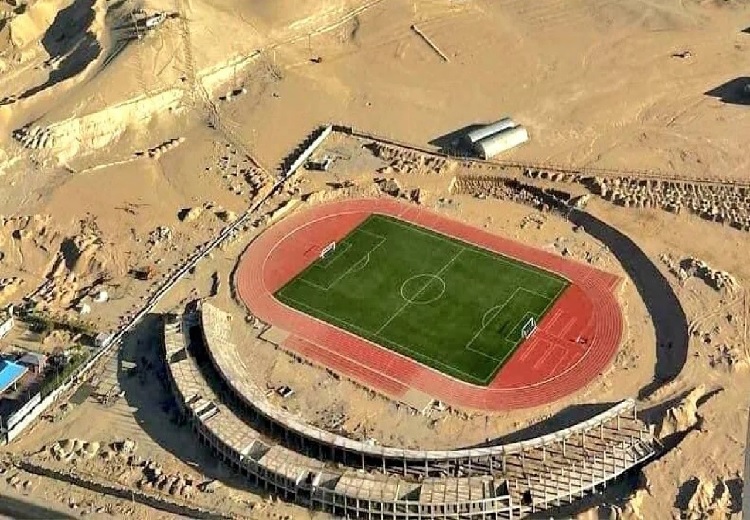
x=422 y=289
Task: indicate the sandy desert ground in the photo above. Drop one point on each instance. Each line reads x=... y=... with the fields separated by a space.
x=120 y=153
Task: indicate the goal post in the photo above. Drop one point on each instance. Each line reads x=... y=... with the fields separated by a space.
x=330 y=248
x=528 y=328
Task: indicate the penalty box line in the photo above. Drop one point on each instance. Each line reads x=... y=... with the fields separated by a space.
x=366 y=332
x=544 y=311
x=364 y=258
x=485 y=325
x=346 y=244
x=494 y=315
x=324 y=263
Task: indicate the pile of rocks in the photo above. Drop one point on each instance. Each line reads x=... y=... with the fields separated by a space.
x=34 y=137
x=157 y=151
x=10 y=285
x=674 y=267
x=190 y=214
x=723 y=203
x=124 y=448
x=16 y=482
x=402 y=161
x=729 y=357
x=154 y=477
x=498 y=188
x=713 y=277
x=160 y=234
x=226 y=215
x=390 y=186
x=688 y=267
x=715 y=202
x=234 y=167
x=209 y=486
x=553 y=176
x=711 y=499
x=194 y=213
x=70 y=449
x=533 y=219
x=229 y=96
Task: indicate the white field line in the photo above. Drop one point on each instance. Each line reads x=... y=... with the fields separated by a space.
x=375 y=235
x=538 y=294
x=324 y=313
x=414 y=355
x=476 y=249
x=347 y=242
x=424 y=286
x=511 y=351
x=494 y=315
x=521 y=322
x=324 y=263
x=366 y=256
x=551 y=301
x=483 y=354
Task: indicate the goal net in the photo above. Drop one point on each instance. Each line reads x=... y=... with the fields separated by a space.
x=528 y=328
x=330 y=248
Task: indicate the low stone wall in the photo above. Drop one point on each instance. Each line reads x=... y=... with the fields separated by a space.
x=105 y=487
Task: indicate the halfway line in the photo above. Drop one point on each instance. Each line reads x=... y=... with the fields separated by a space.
x=408 y=302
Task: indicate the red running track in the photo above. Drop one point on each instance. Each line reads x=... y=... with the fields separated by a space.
x=573 y=344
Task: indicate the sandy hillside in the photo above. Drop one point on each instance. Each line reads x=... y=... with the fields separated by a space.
x=120 y=155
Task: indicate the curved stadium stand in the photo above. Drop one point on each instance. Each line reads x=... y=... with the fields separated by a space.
x=324 y=471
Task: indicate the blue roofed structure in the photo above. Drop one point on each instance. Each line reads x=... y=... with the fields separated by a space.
x=10 y=373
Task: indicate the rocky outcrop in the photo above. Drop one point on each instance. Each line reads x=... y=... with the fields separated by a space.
x=682 y=417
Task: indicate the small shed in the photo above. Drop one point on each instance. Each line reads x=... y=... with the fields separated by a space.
x=476 y=135
x=34 y=361
x=500 y=142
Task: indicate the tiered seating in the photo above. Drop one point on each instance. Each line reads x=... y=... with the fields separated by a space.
x=492 y=482
x=309 y=481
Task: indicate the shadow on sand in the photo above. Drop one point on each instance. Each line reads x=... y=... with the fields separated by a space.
x=146 y=390
x=70 y=41
x=667 y=315
x=452 y=143
x=565 y=418
x=690 y=486
x=733 y=92
x=17 y=508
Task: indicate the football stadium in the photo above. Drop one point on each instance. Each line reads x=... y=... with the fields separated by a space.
x=424 y=311
x=319 y=259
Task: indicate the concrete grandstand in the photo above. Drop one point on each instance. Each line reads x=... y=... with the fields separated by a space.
x=325 y=471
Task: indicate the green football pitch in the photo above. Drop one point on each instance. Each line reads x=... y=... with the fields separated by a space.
x=450 y=305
